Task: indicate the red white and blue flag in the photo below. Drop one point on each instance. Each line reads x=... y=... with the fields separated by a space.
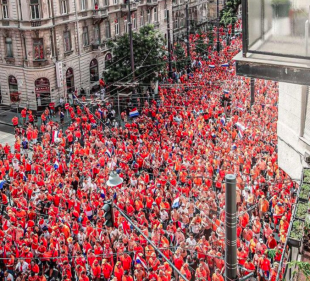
x=134 y=112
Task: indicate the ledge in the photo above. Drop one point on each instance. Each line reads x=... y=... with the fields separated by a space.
x=66 y=54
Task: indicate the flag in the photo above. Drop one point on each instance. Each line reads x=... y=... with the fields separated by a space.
x=24 y=176
x=2 y=184
x=102 y=195
x=89 y=211
x=108 y=152
x=56 y=165
x=211 y=66
x=234 y=63
x=226 y=92
x=141 y=261
x=240 y=126
x=240 y=134
x=176 y=203
x=134 y=112
x=55 y=136
x=225 y=64
x=223 y=120
x=114 y=196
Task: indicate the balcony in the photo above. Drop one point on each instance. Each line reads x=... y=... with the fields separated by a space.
x=275 y=41
x=35 y=23
x=133 y=7
x=152 y=2
x=99 y=15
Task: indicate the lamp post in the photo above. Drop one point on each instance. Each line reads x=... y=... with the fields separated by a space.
x=218 y=46
x=187 y=36
x=132 y=61
x=169 y=42
x=231 y=229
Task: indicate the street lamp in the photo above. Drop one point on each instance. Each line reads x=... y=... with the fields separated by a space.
x=114 y=179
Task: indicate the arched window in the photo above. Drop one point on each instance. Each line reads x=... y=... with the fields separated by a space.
x=70 y=80
x=108 y=57
x=42 y=92
x=94 y=71
x=13 y=89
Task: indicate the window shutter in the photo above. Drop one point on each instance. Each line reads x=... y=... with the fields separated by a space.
x=307 y=121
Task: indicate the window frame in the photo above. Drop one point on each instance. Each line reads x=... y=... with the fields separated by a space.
x=67 y=36
x=107 y=29
x=11 y=47
x=97 y=34
x=148 y=16
x=126 y=26
x=83 y=5
x=155 y=13
x=64 y=8
x=116 y=24
x=85 y=36
x=35 y=12
x=39 y=43
x=134 y=22
x=5 y=7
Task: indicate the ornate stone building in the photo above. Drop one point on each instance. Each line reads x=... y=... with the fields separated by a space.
x=50 y=47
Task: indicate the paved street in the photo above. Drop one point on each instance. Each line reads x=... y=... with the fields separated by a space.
x=7 y=135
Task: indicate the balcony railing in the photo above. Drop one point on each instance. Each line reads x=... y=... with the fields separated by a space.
x=152 y=2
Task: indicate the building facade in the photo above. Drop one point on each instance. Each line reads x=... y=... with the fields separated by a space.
x=48 y=48
x=197 y=16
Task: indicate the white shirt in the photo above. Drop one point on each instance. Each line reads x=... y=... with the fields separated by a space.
x=164 y=215
x=9 y=277
x=22 y=267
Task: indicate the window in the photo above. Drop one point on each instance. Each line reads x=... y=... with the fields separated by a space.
x=165 y=14
x=38 y=50
x=35 y=9
x=125 y=26
x=94 y=72
x=105 y=3
x=5 y=9
x=148 y=16
x=9 y=47
x=115 y=2
x=67 y=41
x=85 y=37
x=83 y=5
x=141 y=19
x=107 y=30
x=97 y=35
x=155 y=15
x=13 y=89
x=134 y=22
x=70 y=80
x=64 y=7
x=116 y=28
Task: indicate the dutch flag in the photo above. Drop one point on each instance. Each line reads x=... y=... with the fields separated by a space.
x=141 y=261
x=56 y=165
x=24 y=176
x=226 y=92
x=134 y=112
x=211 y=66
x=223 y=121
x=100 y=111
x=176 y=203
x=225 y=64
x=89 y=212
x=108 y=152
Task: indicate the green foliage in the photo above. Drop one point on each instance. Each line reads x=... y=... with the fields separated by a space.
x=302 y=209
x=148 y=46
x=180 y=58
x=297 y=230
x=307 y=175
x=228 y=14
x=201 y=47
x=272 y=253
x=304 y=267
x=304 y=191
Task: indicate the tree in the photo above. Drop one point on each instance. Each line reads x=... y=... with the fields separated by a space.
x=180 y=58
x=149 y=56
x=228 y=15
x=201 y=47
x=210 y=35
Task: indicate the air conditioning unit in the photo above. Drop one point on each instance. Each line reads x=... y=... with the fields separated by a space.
x=307 y=158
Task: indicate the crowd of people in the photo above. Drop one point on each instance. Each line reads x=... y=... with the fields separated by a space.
x=173 y=159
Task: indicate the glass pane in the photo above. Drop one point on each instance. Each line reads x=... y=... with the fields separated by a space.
x=279 y=26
